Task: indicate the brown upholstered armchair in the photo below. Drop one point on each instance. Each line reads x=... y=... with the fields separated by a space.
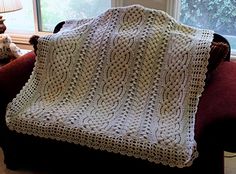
x=214 y=128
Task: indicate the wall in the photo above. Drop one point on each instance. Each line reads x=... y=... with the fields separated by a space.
x=157 y=4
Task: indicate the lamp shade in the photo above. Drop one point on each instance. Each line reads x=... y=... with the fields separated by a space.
x=9 y=5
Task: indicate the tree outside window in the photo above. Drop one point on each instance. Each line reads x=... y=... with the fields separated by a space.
x=53 y=12
x=217 y=15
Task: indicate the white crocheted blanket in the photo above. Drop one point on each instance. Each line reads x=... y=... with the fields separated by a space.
x=127 y=81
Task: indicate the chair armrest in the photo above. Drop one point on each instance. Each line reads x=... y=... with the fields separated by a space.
x=15 y=74
x=12 y=78
x=216 y=115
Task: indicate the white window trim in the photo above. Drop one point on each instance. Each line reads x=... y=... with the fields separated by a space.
x=116 y=3
x=233 y=56
x=173 y=8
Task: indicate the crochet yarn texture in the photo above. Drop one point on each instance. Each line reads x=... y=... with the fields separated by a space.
x=127 y=81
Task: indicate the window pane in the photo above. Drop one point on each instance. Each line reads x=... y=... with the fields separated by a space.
x=21 y=21
x=53 y=12
x=218 y=15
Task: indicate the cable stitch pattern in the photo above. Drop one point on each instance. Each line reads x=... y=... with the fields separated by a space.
x=127 y=81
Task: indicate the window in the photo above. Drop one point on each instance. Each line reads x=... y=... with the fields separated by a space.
x=43 y=15
x=217 y=15
x=39 y=16
x=72 y=9
x=21 y=21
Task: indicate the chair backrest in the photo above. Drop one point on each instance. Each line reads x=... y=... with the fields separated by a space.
x=222 y=39
x=58 y=26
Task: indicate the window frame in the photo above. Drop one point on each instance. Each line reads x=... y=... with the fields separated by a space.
x=173 y=8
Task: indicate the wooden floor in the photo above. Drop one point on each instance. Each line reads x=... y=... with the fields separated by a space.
x=230 y=166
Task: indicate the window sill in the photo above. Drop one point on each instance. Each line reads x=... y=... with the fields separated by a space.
x=22 y=40
x=233 y=57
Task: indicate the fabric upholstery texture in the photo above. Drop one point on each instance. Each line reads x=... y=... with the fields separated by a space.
x=12 y=77
x=218 y=54
x=14 y=74
x=218 y=100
